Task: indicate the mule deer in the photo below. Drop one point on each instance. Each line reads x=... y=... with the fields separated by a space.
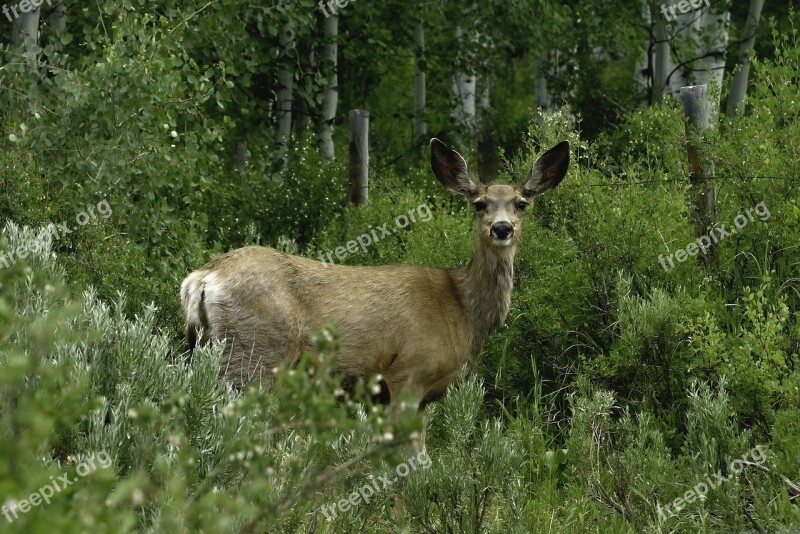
x=416 y=326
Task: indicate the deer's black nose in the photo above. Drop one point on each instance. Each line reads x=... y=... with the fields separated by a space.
x=502 y=230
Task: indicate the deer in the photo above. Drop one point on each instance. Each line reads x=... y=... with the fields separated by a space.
x=415 y=326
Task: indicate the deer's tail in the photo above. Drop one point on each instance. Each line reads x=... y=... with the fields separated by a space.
x=193 y=303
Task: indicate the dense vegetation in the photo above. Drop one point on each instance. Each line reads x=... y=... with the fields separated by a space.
x=617 y=385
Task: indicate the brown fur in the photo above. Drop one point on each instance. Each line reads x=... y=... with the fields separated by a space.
x=416 y=326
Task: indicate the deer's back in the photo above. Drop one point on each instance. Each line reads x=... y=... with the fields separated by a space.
x=388 y=316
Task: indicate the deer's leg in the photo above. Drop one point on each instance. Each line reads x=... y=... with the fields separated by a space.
x=417 y=445
x=396 y=406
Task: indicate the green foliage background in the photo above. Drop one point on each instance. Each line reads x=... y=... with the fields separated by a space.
x=613 y=388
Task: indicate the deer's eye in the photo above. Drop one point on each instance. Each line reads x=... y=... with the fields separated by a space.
x=521 y=205
x=479 y=205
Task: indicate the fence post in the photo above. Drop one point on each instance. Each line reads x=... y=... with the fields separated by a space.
x=359 y=157
x=700 y=117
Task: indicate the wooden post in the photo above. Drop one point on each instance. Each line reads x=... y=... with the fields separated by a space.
x=359 y=157
x=700 y=114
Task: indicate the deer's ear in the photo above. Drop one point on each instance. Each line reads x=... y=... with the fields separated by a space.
x=547 y=172
x=451 y=169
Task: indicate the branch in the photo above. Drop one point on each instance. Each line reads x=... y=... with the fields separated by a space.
x=792 y=488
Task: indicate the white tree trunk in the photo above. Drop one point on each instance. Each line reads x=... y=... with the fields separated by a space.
x=662 y=61
x=240 y=155
x=687 y=49
x=358 y=167
x=542 y=98
x=464 y=86
x=681 y=49
x=26 y=29
x=464 y=93
x=420 y=125
x=285 y=90
x=487 y=149
x=58 y=18
x=654 y=71
x=642 y=73
x=25 y=36
x=698 y=42
x=541 y=101
x=711 y=45
x=330 y=65
x=739 y=85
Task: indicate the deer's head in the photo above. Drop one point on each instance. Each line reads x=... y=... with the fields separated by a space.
x=499 y=208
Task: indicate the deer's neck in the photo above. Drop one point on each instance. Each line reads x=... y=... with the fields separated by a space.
x=485 y=287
